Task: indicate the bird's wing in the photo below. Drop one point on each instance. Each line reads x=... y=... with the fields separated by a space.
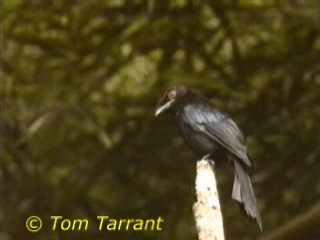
x=221 y=129
x=228 y=141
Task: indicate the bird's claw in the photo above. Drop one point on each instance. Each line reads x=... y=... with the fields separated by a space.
x=206 y=157
x=210 y=161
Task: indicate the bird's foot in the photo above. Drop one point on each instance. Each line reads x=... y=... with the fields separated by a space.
x=206 y=157
x=210 y=161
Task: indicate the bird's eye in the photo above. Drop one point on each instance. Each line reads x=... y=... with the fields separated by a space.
x=172 y=94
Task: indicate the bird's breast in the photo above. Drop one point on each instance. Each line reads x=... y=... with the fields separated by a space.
x=197 y=141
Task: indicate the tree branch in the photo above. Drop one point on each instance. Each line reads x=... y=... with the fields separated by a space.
x=305 y=226
x=207 y=210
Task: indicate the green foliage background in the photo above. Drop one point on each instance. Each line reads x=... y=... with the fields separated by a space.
x=80 y=80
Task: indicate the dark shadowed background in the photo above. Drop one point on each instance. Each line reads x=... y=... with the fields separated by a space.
x=80 y=81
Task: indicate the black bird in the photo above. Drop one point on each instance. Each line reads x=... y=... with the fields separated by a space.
x=208 y=132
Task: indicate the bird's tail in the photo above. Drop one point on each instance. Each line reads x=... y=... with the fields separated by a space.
x=243 y=192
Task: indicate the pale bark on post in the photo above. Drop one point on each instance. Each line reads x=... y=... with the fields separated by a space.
x=207 y=211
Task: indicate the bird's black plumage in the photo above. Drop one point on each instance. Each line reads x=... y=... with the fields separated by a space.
x=207 y=131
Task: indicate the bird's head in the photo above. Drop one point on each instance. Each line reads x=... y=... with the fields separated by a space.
x=171 y=100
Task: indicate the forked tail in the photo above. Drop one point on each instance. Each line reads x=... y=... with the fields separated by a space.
x=243 y=192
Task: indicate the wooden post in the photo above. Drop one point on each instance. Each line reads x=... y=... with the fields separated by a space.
x=207 y=211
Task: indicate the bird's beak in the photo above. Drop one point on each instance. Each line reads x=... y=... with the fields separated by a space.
x=164 y=107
